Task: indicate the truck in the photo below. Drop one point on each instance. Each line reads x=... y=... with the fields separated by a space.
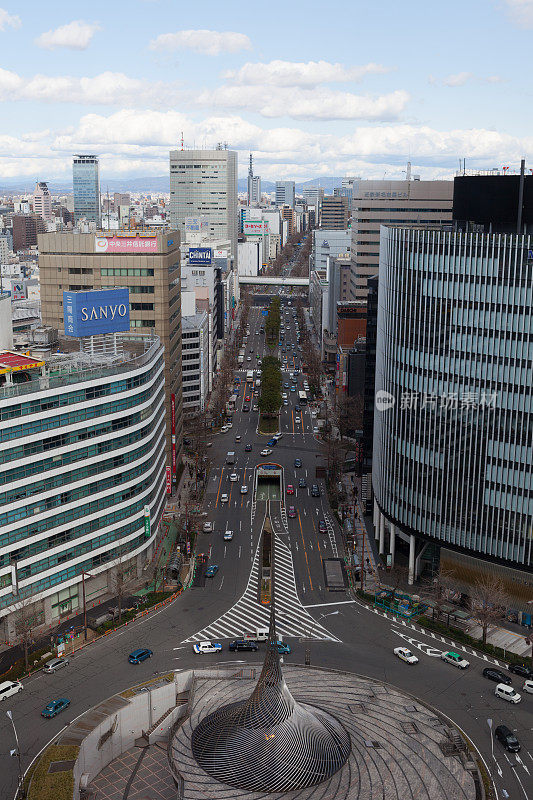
x=250 y=375
x=230 y=457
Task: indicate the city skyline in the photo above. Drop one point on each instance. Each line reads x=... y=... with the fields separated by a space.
x=356 y=93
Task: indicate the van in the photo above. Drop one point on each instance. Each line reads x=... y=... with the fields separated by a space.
x=8 y=688
x=55 y=664
x=507 y=693
x=262 y=635
x=230 y=457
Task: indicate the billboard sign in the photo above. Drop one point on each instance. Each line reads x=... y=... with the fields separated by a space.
x=252 y=227
x=169 y=480
x=147 y=524
x=125 y=244
x=200 y=255
x=96 y=312
x=18 y=291
x=173 y=430
x=220 y=254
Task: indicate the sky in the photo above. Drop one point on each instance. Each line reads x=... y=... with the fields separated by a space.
x=343 y=87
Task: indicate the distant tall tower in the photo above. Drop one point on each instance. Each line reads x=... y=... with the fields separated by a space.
x=42 y=202
x=254 y=186
x=86 y=183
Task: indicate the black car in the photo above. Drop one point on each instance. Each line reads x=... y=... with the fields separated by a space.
x=315 y=491
x=520 y=669
x=496 y=675
x=246 y=407
x=241 y=644
x=248 y=448
x=504 y=735
x=302 y=483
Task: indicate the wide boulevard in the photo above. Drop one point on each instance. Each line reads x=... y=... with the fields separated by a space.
x=339 y=631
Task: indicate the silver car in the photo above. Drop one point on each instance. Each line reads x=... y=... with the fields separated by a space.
x=55 y=664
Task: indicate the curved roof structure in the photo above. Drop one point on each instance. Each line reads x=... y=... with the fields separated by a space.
x=270 y=742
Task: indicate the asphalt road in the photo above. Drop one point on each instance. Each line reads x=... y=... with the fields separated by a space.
x=360 y=641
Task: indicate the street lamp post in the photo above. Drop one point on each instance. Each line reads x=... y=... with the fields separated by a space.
x=20 y=786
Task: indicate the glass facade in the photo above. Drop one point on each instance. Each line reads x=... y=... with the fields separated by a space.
x=75 y=493
x=86 y=184
x=453 y=425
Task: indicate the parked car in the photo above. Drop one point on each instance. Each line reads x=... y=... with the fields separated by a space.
x=56 y=663
x=495 y=675
x=507 y=693
x=528 y=686
x=522 y=670
x=55 y=707
x=211 y=571
x=139 y=655
x=455 y=659
x=504 y=735
x=206 y=647
x=243 y=645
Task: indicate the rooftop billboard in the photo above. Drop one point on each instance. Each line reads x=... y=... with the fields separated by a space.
x=125 y=244
x=92 y=313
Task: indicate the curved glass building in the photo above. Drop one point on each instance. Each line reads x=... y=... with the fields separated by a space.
x=82 y=474
x=453 y=424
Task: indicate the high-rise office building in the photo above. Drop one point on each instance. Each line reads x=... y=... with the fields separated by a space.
x=149 y=265
x=86 y=183
x=42 y=201
x=26 y=228
x=285 y=193
x=453 y=426
x=203 y=183
x=313 y=196
x=335 y=213
x=83 y=475
x=254 y=185
x=406 y=203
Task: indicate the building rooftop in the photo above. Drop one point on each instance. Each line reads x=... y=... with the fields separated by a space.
x=65 y=363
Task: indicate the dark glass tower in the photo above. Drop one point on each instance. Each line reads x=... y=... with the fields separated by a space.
x=86 y=183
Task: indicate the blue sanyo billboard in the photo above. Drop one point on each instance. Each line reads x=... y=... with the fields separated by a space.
x=91 y=313
x=200 y=255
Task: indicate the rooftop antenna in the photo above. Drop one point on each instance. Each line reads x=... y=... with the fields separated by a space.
x=408 y=171
x=108 y=207
x=520 y=196
x=182 y=140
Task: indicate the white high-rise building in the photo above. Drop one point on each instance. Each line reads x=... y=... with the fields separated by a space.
x=203 y=183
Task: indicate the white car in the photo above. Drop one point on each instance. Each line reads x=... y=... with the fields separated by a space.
x=405 y=655
x=224 y=429
x=266 y=451
x=229 y=425
x=234 y=477
x=224 y=498
x=248 y=358
x=238 y=437
x=528 y=686
x=207 y=647
x=284 y=396
x=228 y=536
x=457 y=660
x=244 y=489
x=507 y=693
x=208 y=527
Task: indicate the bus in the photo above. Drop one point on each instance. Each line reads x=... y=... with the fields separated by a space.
x=302 y=398
x=240 y=361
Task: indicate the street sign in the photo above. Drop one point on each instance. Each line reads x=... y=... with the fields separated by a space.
x=264 y=312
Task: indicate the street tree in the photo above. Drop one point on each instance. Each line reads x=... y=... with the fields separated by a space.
x=488 y=601
x=26 y=620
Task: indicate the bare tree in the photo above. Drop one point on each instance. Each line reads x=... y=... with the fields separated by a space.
x=488 y=601
x=349 y=414
x=26 y=621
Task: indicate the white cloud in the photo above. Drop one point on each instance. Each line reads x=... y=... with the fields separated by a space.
x=317 y=104
x=8 y=20
x=459 y=79
x=107 y=88
x=75 y=35
x=521 y=11
x=209 y=43
x=303 y=74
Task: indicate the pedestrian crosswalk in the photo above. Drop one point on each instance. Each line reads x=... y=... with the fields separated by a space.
x=292 y=619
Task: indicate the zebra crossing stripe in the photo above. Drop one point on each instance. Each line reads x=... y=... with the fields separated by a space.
x=292 y=618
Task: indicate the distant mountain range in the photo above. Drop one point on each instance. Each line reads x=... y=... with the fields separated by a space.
x=149 y=184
